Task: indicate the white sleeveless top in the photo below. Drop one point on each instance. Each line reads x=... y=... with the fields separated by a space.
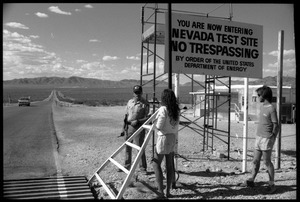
x=163 y=124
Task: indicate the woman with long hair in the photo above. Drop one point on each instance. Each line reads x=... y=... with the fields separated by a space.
x=166 y=129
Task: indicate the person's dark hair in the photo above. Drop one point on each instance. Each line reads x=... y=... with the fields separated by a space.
x=169 y=100
x=265 y=92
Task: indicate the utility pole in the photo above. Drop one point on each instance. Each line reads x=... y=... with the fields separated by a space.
x=279 y=95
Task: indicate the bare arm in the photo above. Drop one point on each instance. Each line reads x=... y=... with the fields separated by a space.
x=275 y=129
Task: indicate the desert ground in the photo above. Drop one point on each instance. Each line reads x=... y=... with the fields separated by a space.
x=87 y=136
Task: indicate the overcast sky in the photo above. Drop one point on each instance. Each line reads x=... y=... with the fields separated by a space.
x=103 y=41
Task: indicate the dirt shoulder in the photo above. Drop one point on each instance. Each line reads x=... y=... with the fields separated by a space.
x=87 y=136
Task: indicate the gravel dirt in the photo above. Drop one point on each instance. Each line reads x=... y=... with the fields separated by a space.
x=87 y=136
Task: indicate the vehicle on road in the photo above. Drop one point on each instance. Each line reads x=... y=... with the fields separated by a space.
x=24 y=101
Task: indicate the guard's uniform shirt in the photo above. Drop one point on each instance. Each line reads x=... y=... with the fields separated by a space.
x=137 y=110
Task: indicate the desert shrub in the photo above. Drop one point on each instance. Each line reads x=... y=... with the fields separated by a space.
x=79 y=102
x=92 y=103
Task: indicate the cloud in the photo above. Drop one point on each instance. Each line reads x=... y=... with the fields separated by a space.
x=14 y=40
x=16 y=25
x=93 y=66
x=132 y=58
x=81 y=61
x=41 y=15
x=109 y=58
x=289 y=63
x=88 y=6
x=23 y=57
x=289 y=67
x=124 y=71
x=96 y=70
x=159 y=67
x=273 y=53
x=290 y=52
x=94 y=40
x=144 y=54
x=34 y=36
x=55 y=9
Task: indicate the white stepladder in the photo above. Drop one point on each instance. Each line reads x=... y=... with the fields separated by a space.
x=148 y=125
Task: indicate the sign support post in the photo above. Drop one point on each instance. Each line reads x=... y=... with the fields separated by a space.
x=245 y=127
x=170 y=45
x=279 y=95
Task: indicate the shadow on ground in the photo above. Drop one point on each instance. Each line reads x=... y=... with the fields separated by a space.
x=231 y=190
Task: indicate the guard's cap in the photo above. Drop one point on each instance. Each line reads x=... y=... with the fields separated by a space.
x=137 y=89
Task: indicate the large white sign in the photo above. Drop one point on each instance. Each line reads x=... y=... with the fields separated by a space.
x=203 y=45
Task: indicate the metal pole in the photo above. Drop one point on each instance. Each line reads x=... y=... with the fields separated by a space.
x=170 y=79
x=229 y=119
x=230 y=12
x=193 y=90
x=175 y=153
x=176 y=83
x=279 y=95
x=154 y=59
x=154 y=74
x=229 y=90
x=142 y=21
x=204 y=111
x=245 y=131
x=170 y=45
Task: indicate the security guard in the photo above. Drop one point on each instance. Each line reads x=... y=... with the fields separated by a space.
x=137 y=112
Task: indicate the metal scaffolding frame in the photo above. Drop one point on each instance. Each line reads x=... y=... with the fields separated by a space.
x=211 y=111
x=150 y=39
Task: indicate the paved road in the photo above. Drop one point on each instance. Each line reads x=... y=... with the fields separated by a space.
x=29 y=142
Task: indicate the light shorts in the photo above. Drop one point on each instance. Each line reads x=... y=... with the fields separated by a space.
x=165 y=144
x=263 y=144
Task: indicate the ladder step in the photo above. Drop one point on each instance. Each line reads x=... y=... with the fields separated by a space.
x=133 y=145
x=119 y=165
x=146 y=126
x=110 y=193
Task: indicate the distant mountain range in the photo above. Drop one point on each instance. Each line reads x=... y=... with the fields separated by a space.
x=75 y=82
x=90 y=82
